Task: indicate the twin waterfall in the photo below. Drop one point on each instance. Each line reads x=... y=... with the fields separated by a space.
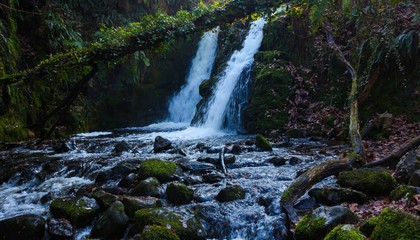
x=223 y=108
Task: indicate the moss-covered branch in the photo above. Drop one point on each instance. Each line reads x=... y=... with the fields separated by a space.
x=149 y=33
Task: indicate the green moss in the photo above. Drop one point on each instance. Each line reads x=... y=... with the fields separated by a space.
x=367 y=225
x=162 y=170
x=186 y=226
x=12 y=129
x=77 y=210
x=344 y=232
x=263 y=143
x=310 y=227
x=395 y=224
x=179 y=193
x=368 y=181
x=156 y=232
x=402 y=192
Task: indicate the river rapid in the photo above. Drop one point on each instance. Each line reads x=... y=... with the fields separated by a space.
x=31 y=176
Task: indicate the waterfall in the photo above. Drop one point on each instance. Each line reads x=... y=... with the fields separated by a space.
x=216 y=111
x=182 y=105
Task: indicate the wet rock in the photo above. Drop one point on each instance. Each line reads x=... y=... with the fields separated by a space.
x=178 y=193
x=158 y=232
x=367 y=225
x=213 y=150
x=294 y=161
x=334 y=195
x=262 y=143
x=186 y=224
x=396 y=224
x=121 y=147
x=403 y=191
x=266 y=201
x=132 y=204
x=415 y=179
x=234 y=149
x=104 y=199
x=148 y=187
x=80 y=211
x=316 y=225
x=161 y=144
x=345 y=232
x=230 y=159
x=306 y=204
x=276 y=161
x=195 y=167
x=249 y=142
x=128 y=180
x=46 y=198
x=111 y=223
x=213 y=177
x=102 y=177
x=231 y=193
x=371 y=182
x=60 y=229
x=164 y=171
x=405 y=168
x=27 y=226
x=193 y=180
x=62 y=147
x=214 y=161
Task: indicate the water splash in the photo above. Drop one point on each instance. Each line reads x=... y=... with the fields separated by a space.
x=182 y=105
x=215 y=111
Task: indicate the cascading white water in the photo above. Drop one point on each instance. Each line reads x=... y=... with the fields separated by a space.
x=182 y=105
x=239 y=61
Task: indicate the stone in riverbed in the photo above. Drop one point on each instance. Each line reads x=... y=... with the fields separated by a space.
x=27 y=226
x=155 y=232
x=334 y=195
x=231 y=193
x=104 y=199
x=122 y=146
x=369 y=181
x=276 y=161
x=60 y=229
x=178 y=193
x=316 y=225
x=262 y=143
x=147 y=187
x=161 y=144
x=132 y=204
x=111 y=223
x=164 y=171
x=213 y=177
x=80 y=211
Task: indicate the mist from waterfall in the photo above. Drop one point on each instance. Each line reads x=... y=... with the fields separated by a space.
x=182 y=105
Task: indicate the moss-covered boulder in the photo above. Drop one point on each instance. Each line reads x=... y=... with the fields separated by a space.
x=345 y=232
x=178 y=193
x=156 y=232
x=132 y=204
x=80 y=211
x=231 y=193
x=186 y=224
x=27 y=226
x=367 y=225
x=164 y=171
x=334 y=195
x=316 y=225
x=395 y=224
x=262 y=143
x=147 y=187
x=112 y=223
x=206 y=87
x=371 y=182
x=403 y=192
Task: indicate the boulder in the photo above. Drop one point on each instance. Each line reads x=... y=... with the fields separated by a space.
x=345 y=232
x=276 y=161
x=213 y=177
x=186 y=224
x=164 y=171
x=405 y=168
x=231 y=193
x=128 y=181
x=155 y=232
x=262 y=143
x=369 y=181
x=178 y=193
x=60 y=229
x=161 y=144
x=316 y=225
x=111 y=223
x=234 y=149
x=415 y=179
x=147 y=187
x=122 y=146
x=404 y=192
x=80 y=211
x=104 y=199
x=294 y=161
x=396 y=224
x=334 y=195
x=132 y=204
x=27 y=226
x=367 y=225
